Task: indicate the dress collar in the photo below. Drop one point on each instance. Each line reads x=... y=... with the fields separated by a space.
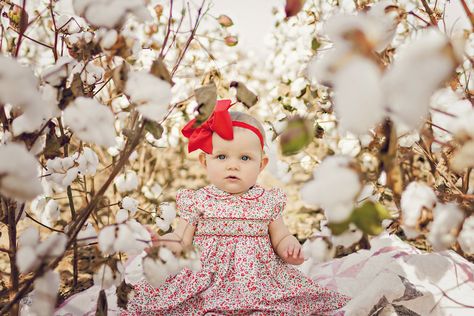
x=253 y=193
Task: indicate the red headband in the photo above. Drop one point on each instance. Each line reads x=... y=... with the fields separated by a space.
x=218 y=122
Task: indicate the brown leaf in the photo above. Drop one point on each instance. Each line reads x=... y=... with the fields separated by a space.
x=52 y=148
x=244 y=95
x=206 y=97
x=123 y=291
x=158 y=69
x=120 y=76
x=101 y=304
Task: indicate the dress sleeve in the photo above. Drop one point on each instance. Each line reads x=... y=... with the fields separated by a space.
x=278 y=199
x=185 y=206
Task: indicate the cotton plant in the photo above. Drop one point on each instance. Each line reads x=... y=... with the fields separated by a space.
x=151 y=94
x=91 y=121
x=417 y=198
x=87 y=235
x=129 y=207
x=334 y=187
x=129 y=237
x=109 y=274
x=127 y=181
x=62 y=171
x=392 y=92
x=166 y=216
x=464 y=135
x=44 y=295
x=20 y=88
x=111 y=14
x=444 y=228
x=18 y=168
x=32 y=251
x=46 y=209
x=152 y=191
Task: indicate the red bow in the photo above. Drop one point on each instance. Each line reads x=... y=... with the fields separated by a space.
x=219 y=122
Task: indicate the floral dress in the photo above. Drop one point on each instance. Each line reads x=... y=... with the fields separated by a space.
x=241 y=274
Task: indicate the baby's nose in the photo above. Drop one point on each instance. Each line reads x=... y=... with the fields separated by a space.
x=232 y=165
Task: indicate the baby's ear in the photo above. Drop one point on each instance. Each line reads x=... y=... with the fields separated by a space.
x=263 y=163
x=202 y=159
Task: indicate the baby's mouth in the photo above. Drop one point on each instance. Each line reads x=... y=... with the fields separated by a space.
x=232 y=178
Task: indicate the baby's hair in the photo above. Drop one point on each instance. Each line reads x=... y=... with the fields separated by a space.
x=249 y=119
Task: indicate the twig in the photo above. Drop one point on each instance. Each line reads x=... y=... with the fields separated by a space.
x=105 y=83
x=430 y=12
x=39 y=223
x=438 y=127
x=419 y=17
x=30 y=38
x=190 y=38
x=22 y=29
x=468 y=12
x=168 y=29
x=55 y=51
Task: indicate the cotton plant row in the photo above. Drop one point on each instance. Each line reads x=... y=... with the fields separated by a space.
x=79 y=113
x=383 y=74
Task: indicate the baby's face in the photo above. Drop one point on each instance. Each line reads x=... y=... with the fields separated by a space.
x=234 y=164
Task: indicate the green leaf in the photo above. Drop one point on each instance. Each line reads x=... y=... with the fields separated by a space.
x=338 y=228
x=369 y=216
x=297 y=135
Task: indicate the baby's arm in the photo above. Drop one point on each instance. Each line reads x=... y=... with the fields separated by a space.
x=179 y=239
x=284 y=243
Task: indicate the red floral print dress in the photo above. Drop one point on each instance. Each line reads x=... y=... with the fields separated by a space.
x=241 y=274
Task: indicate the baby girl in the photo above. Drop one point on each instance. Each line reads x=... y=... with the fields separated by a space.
x=247 y=252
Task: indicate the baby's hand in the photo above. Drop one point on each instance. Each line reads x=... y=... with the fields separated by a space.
x=292 y=252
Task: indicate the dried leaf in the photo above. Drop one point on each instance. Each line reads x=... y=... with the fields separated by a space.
x=206 y=98
x=158 y=69
x=244 y=95
x=120 y=76
x=101 y=304
x=123 y=291
x=154 y=128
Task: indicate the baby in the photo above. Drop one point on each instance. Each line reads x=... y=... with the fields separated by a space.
x=247 y=252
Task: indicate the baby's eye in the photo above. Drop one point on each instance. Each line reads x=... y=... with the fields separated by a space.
x=220 y=157
x=245 y=158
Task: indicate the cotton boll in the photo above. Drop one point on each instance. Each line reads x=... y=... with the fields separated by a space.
x=127 y=181
x=45 y=294
x=51 y=212
x=318 y=250
x=121 y=216
x=130 y=204
x=155 y=271
x=88 y=162
x=19 y=176
x=334 y=188
x=105 y=277
x=53 y=246
x=348 y=238
x=87 y=234
x=444 y=228
x=464 y=157
x=29 y=237
x=106 y=239
x=27 y=259
x=416 y=196
x=168 y=212
x=466 y=236
x=151 y=94
x=91 y=121
x=358 y=103
x=419 y=69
